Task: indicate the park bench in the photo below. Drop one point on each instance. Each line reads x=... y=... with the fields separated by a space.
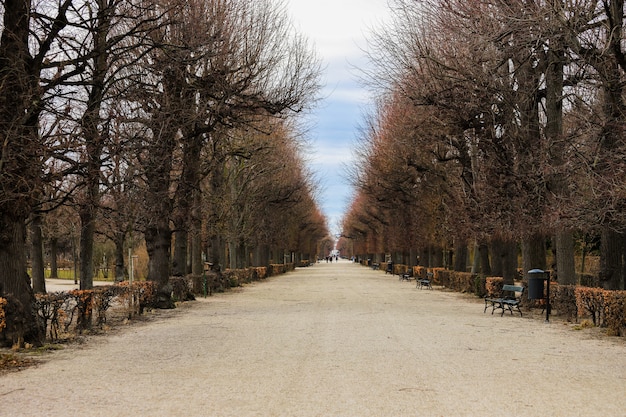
x=425 y=282
x=375 y=266
x=405 y=276
x=508 y=300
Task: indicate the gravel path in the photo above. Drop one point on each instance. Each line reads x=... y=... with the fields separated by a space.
x=329 y=340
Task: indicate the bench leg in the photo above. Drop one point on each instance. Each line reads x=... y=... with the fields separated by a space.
x=498 y=306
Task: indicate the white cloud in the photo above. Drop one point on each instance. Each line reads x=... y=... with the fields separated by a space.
x=337 y=26
x=338 y=29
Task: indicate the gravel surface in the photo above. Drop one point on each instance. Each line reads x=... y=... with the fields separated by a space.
x=334 y=339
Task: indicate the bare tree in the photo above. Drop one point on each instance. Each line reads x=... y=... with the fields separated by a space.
x=22 y=151
x=219 y=65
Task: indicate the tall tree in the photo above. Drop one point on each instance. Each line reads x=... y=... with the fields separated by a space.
x=219 y=65
x=22 y=149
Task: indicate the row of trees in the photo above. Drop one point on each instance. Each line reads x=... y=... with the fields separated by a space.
x=499 y=124
x=163 y=120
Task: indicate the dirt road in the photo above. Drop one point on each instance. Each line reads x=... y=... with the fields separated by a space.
x=329 y=340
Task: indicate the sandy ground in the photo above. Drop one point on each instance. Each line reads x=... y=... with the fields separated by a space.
x=329 y=340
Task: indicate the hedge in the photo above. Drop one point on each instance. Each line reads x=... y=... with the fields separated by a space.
x=615 y=312
x=493 y=286
x=277 y=269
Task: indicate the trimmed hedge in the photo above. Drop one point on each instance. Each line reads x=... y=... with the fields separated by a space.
x=437 y=279
x=563 y=300
x=615 y=312
x=400 y=269
x=420 y=272
x=211 y=282
x=493 y=286
x=74 y=310
x=277 y=269
x=591 y=300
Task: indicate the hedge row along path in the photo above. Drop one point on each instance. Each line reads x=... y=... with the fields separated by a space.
x=334 y=339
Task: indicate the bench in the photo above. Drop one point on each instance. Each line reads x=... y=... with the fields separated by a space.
x=508 y=300
x=425 y=282
x=405 y=276
x=375 y=266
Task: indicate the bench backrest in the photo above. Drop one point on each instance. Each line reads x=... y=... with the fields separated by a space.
x=513 y=288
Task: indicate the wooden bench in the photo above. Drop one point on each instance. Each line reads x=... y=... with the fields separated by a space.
x=375 y=266
x=425 y=282
x=508 y=300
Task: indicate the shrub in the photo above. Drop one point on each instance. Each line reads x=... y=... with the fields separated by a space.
x=181 y=290
x=437 y=275
x=420 y=272
x=83 y=308
x=493 y=286
x=591 y=300
x=400 y=269
x=277 y=269
x=143 y=295
x=50 y=311
x=563 y=299
x=462 y=281
x=480 y=286
x=615 y=312
x=103 y=296
x=443 y=277
x=261 y=272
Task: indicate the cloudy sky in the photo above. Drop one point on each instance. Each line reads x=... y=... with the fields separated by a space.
x=338 y=30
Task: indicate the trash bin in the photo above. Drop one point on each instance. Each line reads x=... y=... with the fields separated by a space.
x=535 y=284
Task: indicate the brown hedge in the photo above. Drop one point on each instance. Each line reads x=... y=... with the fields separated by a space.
x=493 y=286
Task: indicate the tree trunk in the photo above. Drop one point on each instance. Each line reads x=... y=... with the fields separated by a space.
x=565 y=266
x=14 y=282
x=497 y=250
x=120 y=271
x=158 y=244
x=505 y=260
x=20 y=159
x=475 y=260
x=611 y=260
x=87 y=233
x=215 y=253
x=460 y=256
x=196 y=235
x=437 y=257
x=232 y=255
x=196 y=250
x=533 y=254
x=37 y=264
x=94 y=137
x=425 y=257
x=54 y=254
x=179 y=264
x=563 y=239
x=510 y=262
x=485 y=263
